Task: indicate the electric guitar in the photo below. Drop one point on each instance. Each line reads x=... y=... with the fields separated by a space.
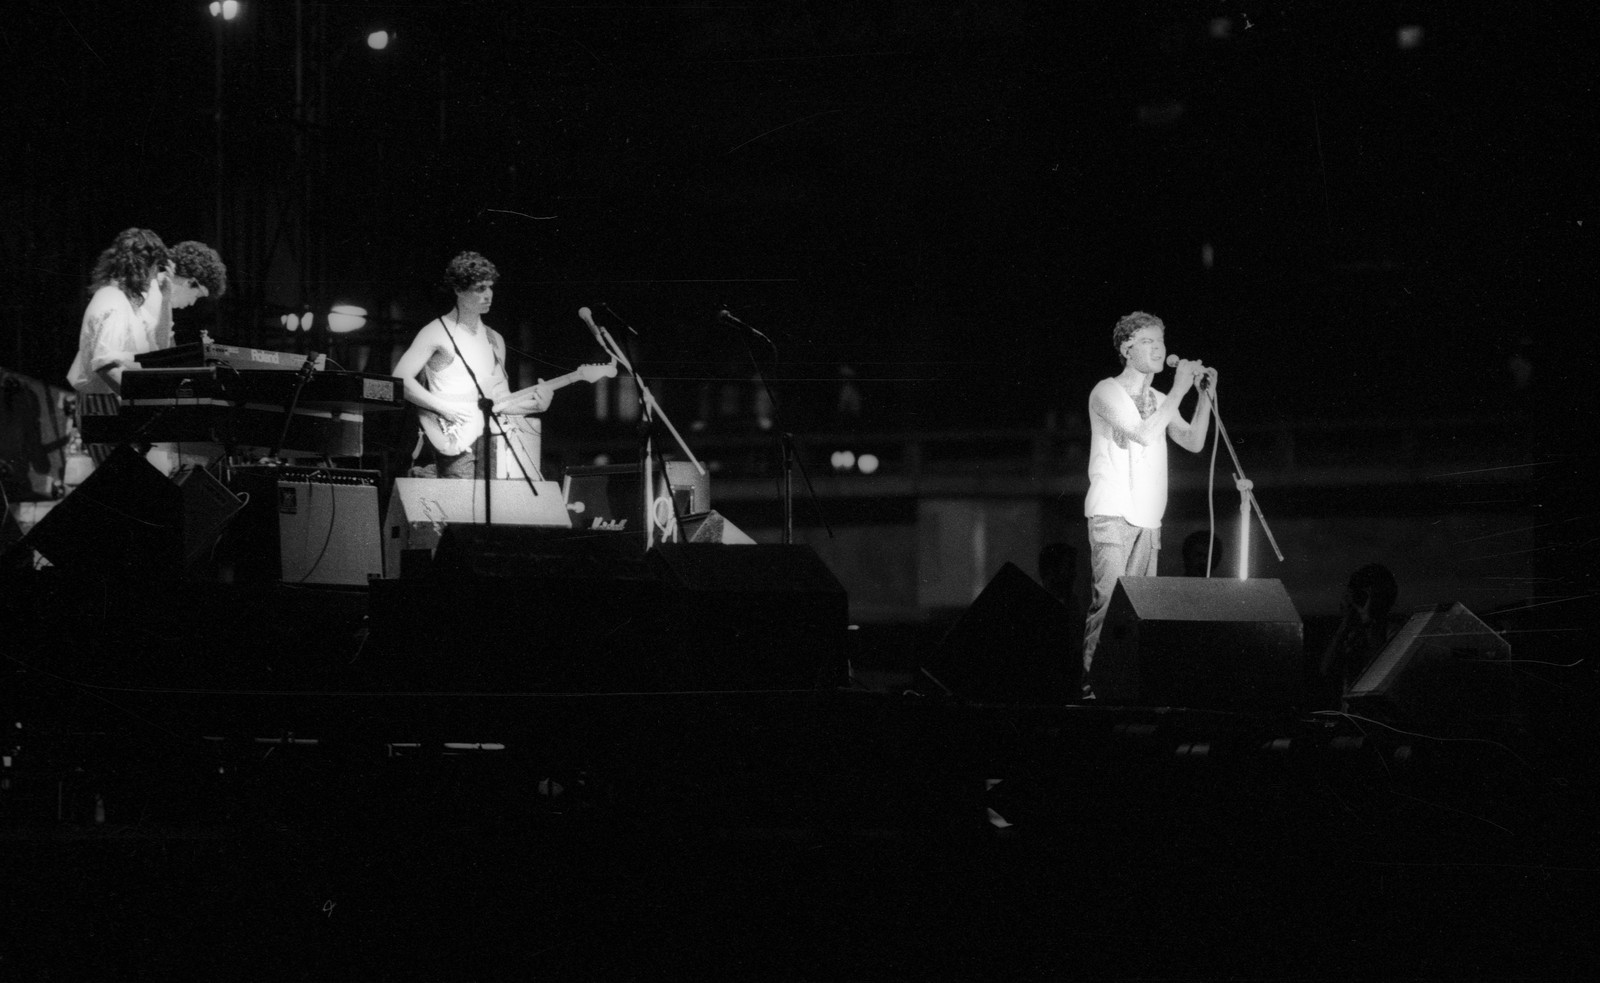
x=453 y=438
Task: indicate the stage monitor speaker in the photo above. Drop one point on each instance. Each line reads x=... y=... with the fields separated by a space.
x=607 y=497
x=421 y=508
x=1014 y=643
x=1444 y=669
x=1204 y=643
x=759 y=616
x=711 y=527
x=124 y=522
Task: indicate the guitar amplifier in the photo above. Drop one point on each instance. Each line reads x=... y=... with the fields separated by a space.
x=303 y=525
x=608 y=497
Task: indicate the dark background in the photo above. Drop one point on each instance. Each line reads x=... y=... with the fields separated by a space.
x=957 y=199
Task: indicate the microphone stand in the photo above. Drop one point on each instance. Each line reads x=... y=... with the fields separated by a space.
x=486 y=405
x=308 y=368
x=788 y=457
x=1247 y=499
x=530 y=472
x=650 y=412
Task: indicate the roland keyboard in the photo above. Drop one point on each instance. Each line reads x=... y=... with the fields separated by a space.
x=203 y=353
x=245 y=409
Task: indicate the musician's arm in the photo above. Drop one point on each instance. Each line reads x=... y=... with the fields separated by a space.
x=533 y=399
x=410 y=367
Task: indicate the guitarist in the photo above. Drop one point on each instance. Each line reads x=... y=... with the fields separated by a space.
x=453 y=359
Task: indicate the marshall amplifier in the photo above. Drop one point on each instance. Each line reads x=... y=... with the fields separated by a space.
x=607 y=497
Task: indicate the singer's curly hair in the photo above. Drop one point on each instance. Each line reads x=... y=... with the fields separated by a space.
x=133 y=257
x=200 y=262
x=468 y=269
x=1130 y=324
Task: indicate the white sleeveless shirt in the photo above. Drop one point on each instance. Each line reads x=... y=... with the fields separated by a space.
x=1126 y=478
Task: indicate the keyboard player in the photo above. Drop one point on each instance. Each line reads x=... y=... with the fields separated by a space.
x=136 y=284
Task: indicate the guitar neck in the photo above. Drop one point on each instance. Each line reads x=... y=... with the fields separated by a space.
x=549 y=384
x=587 y=373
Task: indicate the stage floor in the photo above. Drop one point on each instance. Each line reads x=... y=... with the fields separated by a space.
x=264 y=783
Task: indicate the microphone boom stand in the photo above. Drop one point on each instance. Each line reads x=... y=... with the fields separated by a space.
x=789 y=456
x=1247 y=499
x=651 y=411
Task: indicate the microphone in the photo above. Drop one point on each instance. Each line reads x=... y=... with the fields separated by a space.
x=588 y=318
x=727 y=315
x=1201 y=380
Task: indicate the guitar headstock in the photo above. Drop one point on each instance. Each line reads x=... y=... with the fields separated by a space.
x=590 y=373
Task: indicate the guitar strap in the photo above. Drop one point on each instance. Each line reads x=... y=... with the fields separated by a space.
x=492 y=427
x=488 y=433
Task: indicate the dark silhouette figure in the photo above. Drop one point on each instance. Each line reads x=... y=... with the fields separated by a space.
x=1363 y=626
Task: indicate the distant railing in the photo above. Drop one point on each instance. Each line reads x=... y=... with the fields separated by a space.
x=1333 y=451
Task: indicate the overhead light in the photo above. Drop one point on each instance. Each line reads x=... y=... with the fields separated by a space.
x=345 y=318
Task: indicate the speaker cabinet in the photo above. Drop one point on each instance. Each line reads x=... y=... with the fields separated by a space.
x=1205 y=643
x=1015 y=643
x=526 y=552
x=125 y=521
x=421 y=508
x=1444 y=670
x=523 y=608
x=761 y=616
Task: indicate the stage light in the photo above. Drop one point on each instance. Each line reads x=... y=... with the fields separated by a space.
x=226 y=9
x=379 y=40
x=1408 y=37
x=843 y=460
x=868 y=463
x=345 y=318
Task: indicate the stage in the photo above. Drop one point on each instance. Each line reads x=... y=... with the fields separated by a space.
x=286 y=782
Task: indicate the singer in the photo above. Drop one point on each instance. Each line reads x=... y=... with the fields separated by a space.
x=456 y=361
x=1129 y=423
